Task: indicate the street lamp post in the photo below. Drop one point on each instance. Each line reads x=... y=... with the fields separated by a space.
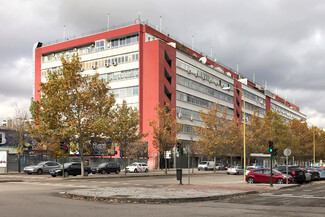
x=244 y=130
x=314 y=143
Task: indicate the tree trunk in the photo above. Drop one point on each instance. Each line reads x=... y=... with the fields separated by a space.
x=192 y=164
x=158 y=160
x=215 y=163
x=19 y=169
x=82 y=161
x=165 y=165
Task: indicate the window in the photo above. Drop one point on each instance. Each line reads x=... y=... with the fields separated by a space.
x=99 y=45
x=122 y=41
x=168 y=77
x=168 y=60
x=115 y=43
x=168 y=94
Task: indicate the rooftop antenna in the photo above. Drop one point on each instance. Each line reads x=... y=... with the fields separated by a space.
x=192 y=42
x=64 y=33
x=253 y=77
x=211 y=52
x=237 y=69
x=265 y=85
x=108 y=21
x=276 y=91
x=138 y=20
x=160 y=24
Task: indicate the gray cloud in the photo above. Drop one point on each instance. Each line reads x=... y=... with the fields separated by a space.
x=281 y=42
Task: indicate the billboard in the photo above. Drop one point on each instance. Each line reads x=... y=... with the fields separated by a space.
x=3 y=158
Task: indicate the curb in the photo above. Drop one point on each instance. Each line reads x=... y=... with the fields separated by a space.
x=13 y=180
x=153 y=200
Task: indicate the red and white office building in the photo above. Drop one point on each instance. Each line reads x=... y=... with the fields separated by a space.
x=145 y=67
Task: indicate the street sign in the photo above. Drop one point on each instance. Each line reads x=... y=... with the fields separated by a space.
x=287 y=152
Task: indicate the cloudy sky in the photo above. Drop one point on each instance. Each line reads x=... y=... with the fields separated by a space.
x=280 y=43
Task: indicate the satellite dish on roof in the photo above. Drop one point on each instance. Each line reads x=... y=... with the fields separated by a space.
x=203 y=60
x=219 y=69
x=229 y=74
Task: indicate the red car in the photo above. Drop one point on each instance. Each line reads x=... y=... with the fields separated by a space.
x=263 y=175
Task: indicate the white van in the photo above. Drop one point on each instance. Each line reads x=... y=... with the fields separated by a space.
x=206 y=165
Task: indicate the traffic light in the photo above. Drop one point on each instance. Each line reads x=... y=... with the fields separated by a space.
x=66 y=149
x=62 y=145
x=275 y=151
x=271 y=147
x=179 y=148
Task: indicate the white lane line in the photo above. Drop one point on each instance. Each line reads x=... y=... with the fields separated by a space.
x=292 y=196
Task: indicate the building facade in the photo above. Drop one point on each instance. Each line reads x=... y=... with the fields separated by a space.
x=146 y=67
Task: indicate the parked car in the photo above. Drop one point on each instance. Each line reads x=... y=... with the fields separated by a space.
x=206 y=165
x=71 y=168
x=263 y=175
x=220 y=167
x=296 y=172
x=137 y=167
x=236 y=170
x=307 y=176
x=106 y=168
x=314 y=173
x=321 y=172
x=249 y=168
x=42 y=167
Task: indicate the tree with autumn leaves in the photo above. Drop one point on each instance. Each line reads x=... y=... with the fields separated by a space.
x=223 y=136
x=165 y=129
x=74 y=107
x=124 y=130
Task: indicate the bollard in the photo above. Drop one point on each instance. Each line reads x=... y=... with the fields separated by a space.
x=179 y=175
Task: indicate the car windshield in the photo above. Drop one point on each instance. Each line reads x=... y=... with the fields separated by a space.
x=102 y=165
x=203 y=162
x=66 y=165
x=276 y=171
x=41 y=164
x=134 y=164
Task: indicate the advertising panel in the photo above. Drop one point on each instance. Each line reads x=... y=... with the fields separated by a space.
x=3 y=159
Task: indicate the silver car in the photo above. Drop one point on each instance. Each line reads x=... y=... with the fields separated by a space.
x=42 y=167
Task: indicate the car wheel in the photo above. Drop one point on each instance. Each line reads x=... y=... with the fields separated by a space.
x=250 y=180
x=117 y=171
x=103 y=171
x=53 y=175
x=228 y=173
x=146 y=171
x=279 y=181
x=86 y=173
x=205 y=169
x=135 y=170
x=198 y=169
x=66 y=174
x=39 y=171
x=29 y=173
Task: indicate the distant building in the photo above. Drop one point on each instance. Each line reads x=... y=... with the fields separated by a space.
x=146 y=66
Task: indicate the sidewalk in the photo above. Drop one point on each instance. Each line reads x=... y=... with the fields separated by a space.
x=214 y=186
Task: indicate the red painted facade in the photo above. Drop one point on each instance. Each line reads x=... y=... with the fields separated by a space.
x=154 y=84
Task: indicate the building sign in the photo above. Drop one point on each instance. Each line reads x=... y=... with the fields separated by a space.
x=3 y=158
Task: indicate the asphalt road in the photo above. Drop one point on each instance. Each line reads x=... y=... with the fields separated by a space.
x=41 y=198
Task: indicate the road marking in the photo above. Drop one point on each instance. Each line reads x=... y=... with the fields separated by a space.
x=292 y=196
